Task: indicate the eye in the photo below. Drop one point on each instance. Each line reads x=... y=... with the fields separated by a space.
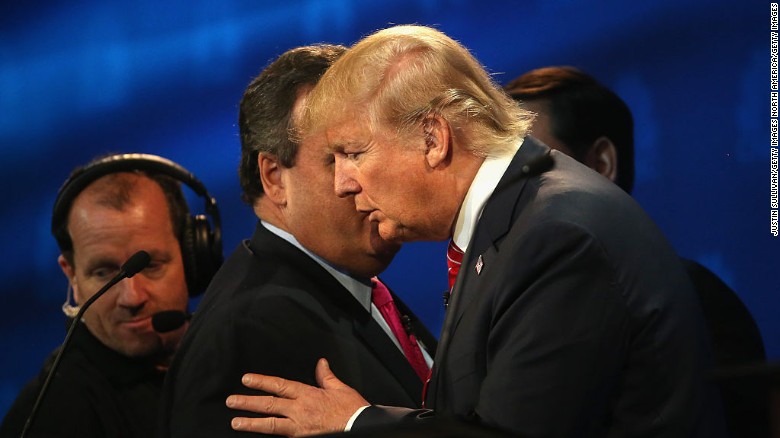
x=158 y=267
x=153 y=266
x=155 y=269
x=104 y=272
x=352 y=155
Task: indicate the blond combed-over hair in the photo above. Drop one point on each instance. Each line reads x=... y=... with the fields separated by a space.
x=398 y=76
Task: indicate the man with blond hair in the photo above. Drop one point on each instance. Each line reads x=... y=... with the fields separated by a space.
x=571 y=316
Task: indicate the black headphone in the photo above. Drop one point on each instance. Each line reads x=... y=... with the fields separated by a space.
x=201 y=246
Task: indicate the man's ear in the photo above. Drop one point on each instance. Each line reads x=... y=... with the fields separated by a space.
x=271 y=178
x=70 y=274
x=602 y=157
x=438 y=140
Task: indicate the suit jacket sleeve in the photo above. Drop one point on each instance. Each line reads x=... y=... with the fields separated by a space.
x=557 y=333
x=378 y=416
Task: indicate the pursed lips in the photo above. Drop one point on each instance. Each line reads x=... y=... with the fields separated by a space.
x=137 y=323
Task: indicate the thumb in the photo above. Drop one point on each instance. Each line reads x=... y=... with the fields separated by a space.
x=325 y=377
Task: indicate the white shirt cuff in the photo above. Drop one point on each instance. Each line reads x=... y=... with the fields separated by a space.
x=353 y=418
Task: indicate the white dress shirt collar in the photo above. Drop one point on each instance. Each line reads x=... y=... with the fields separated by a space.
x=485 y=181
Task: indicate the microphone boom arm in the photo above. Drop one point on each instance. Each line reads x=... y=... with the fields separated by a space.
x=132 y=266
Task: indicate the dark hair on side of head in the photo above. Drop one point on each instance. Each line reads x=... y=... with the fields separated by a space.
x=264 y=119
x=580 y=111
x=118 y=196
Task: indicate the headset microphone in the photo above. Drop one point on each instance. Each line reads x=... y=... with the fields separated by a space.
x=136 y=263
x=169 y=320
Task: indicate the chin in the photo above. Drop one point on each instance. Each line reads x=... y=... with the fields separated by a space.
x=391 y=236
x=141 y=348
x=381 y=248
x=370 y=269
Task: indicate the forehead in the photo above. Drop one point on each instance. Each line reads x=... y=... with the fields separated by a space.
x=313 y=141
x=137 y=200
x=356 y=131
x=101 y=233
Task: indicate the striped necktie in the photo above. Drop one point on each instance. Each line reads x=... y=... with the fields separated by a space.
x=383 y=301
x=454 y=260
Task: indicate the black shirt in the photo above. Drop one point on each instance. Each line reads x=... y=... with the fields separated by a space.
x=97 y=392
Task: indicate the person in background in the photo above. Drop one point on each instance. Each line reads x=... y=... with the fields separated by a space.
x=110 y=378
x=589 y=122
x=304 y=286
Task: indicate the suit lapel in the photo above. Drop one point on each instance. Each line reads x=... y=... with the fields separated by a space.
x=383 y=347
x=421 y=332
x=494 y=223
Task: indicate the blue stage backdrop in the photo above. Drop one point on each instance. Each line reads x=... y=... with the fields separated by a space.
x=78 y=79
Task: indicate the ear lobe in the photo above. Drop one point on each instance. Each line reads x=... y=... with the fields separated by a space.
x=271 y=178
x=438 y=140
x=70 y=274
x=602 y=157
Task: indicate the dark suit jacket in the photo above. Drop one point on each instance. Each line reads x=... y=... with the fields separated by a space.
x=271 y=309
x=580 y=321
x=737 y=343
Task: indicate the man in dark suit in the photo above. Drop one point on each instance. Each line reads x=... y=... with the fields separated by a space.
x=571 y=315
x=585 y=120
x=301 y=287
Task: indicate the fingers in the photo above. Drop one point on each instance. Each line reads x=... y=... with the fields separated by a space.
x=273 y=385
x=296 y=409
x=325 y=377
x=323 y=373
x=270 y=425
x=267 y=405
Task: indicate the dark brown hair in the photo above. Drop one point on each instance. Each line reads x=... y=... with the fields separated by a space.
x=580 y=111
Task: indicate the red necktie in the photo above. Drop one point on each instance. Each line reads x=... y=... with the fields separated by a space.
x=384 y=302
x=454 y=259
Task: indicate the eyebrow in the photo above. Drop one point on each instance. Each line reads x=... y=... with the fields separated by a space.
x=339 y=146
x=99 y=261
x=334 y=147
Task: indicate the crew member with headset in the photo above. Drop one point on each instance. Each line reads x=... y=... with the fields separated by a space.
x=109 y=378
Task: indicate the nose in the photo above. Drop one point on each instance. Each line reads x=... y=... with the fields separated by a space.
x=132 y=293
x=344 y=182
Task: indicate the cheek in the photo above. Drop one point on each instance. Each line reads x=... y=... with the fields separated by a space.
x=339 y=215
x=172 y=291
x=84 y=289
x=399 y=190
x=392 y=175
x=311 y=202
x=381 y=183
x=100 y=311
x=172 y=300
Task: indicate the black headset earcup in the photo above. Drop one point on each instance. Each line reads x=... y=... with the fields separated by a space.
x=198 y=251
